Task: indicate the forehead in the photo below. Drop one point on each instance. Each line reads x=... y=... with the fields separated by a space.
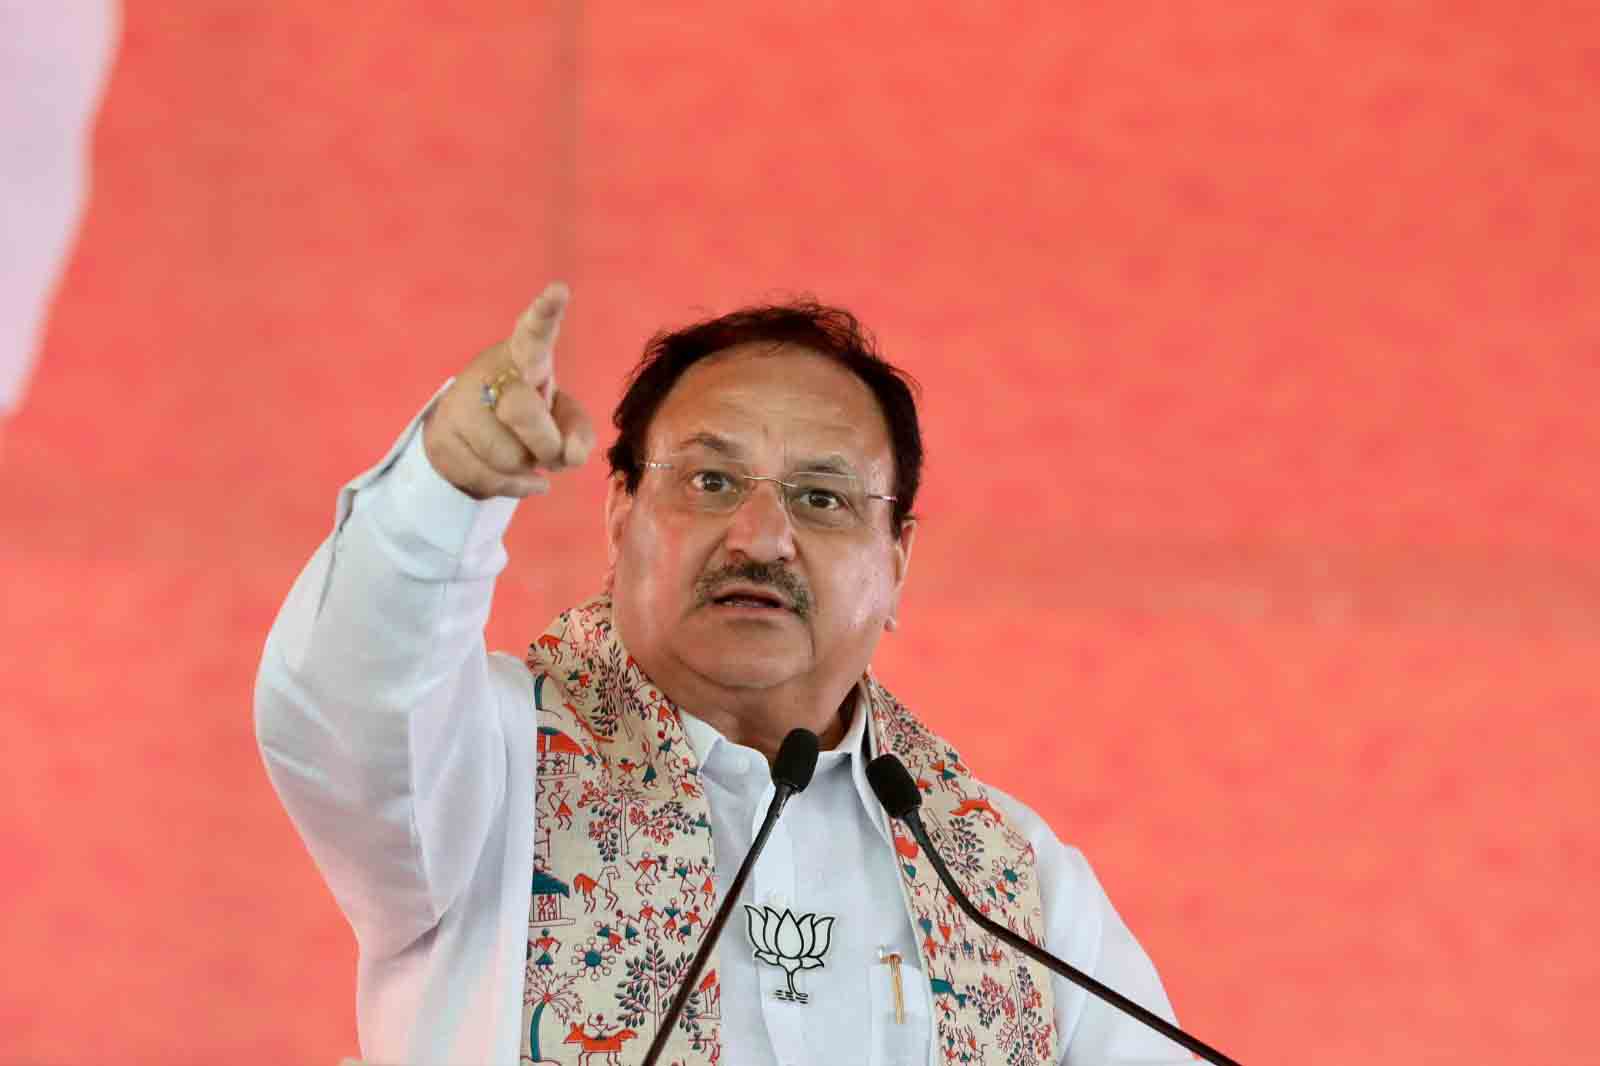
x=775 y=402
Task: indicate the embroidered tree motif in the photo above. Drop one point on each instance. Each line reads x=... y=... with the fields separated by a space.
x=1033 y=1028
x=1026 y=1034
x=628 y=693
x=962 y=850
x=543 y=988
x=991 y=1000
x=647 y=989
x=617 y=816
x=638 y=992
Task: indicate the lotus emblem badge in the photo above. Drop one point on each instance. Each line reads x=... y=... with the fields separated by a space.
x=793 y=942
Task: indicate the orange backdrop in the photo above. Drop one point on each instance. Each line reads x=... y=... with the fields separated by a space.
x=1260 y=519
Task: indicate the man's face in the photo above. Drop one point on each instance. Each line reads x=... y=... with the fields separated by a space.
x=815 y=597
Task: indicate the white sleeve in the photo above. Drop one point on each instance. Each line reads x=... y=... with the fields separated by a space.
x=376 y=704
x=1083 y=928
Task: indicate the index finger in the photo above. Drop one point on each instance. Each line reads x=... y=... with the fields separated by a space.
x=533 y=338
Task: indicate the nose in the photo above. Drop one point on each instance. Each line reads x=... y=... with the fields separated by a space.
x=761 y=528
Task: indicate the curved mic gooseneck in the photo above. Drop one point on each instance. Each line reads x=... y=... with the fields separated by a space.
x=791 y=773
x=896 y=790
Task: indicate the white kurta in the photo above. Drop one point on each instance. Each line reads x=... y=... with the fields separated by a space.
x=404 y=754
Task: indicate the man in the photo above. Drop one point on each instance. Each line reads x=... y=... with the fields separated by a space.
x=485 y=822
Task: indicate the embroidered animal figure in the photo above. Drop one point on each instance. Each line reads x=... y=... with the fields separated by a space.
x=980 y=807
x=609 y=1046
x=551 y=643
x=942 y=987
x=586 y=885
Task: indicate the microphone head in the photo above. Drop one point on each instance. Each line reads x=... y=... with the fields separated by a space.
x=796 y=761
x=892 y=784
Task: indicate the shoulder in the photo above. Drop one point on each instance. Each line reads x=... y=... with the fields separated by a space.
x=514 y=683
x=1066 y=881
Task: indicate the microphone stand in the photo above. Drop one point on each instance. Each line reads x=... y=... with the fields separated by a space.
x=909 y=814
x=790 y=774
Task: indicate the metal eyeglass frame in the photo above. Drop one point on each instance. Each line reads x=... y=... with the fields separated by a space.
x=651 y=464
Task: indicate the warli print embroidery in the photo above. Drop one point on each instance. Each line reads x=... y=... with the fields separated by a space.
x=623 y=876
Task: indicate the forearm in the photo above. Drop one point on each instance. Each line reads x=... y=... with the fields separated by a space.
x=375 y=707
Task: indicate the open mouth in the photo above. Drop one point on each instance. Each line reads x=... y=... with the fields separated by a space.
x=750 y=598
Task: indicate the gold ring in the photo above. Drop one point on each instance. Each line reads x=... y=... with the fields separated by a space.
x=490 y=394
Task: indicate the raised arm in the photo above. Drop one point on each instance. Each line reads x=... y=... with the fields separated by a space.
x=378 y=710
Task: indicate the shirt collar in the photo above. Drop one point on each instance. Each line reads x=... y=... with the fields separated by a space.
x=855 y=749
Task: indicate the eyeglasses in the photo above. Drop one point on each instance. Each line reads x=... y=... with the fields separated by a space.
x=709 y=483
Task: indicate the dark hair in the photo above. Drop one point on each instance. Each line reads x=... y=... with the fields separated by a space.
x=829 y=331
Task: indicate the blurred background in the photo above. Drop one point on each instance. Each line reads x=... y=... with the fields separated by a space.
x=1260 y=513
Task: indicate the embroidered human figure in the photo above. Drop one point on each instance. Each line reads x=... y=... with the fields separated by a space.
x=559 y=806
x=547 y=946
x=649 y=869
x=682 y=870
x=708 y=890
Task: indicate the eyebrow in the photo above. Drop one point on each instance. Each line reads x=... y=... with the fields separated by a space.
x=720 y=445
x=833 y=463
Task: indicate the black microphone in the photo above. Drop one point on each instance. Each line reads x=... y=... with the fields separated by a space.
x=791 y=773
x=898 y=793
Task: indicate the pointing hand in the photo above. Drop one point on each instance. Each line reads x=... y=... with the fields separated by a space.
x=503 y=423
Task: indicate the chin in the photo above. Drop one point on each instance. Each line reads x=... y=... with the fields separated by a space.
x=744 y=664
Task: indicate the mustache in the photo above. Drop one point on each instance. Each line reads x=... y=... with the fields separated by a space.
x=751 y=572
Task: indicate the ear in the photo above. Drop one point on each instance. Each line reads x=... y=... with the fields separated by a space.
x=902 y=566
x=619 y=502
